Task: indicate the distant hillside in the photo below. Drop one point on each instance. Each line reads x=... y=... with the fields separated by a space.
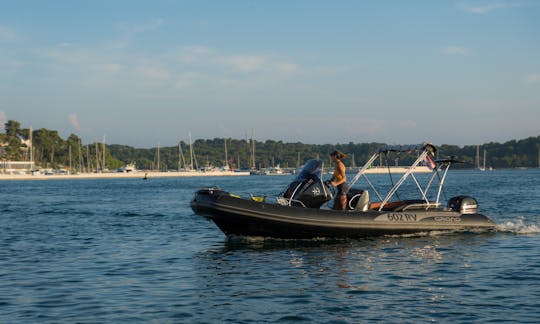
x=50 y=150
x=512 y=154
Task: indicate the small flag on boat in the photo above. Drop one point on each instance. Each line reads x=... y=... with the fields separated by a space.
x=428 y=161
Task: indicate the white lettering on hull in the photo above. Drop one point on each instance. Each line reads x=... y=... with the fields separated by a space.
x=402 y=217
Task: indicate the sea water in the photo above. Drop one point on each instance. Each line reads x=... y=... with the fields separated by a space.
x=132 y=250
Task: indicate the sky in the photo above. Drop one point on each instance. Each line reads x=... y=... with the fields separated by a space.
x=147 y=73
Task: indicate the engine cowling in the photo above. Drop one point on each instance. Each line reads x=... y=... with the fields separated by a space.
x=463 y=204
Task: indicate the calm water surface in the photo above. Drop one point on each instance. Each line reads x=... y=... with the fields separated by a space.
x=132 y=250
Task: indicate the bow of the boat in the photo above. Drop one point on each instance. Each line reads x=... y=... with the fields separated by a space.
x=203 y=201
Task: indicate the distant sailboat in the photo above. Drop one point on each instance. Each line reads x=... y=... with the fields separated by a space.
x=181 y=160
x=192 y=157
x=539 y=155
x=484 y=164
x=478 y=159
x=156 y=163
x=490 y=168
x=228 y=165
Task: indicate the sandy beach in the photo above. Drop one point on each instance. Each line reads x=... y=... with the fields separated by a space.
x=121 y=175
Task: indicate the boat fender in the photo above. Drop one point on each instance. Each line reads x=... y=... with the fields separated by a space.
x=257 y=198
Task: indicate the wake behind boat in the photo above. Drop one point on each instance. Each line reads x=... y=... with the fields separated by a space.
x=298 y=213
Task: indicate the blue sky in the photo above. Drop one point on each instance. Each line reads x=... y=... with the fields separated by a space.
x=148 y=72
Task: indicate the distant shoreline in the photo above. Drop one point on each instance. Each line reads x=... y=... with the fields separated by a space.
x=123 y=175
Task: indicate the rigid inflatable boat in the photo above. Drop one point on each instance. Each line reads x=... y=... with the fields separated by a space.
x=299 y=212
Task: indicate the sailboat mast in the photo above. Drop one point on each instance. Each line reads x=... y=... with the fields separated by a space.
x=478 y=156
x=158 y=161
x=31 y=149
x=69 y=153
x=88 y=164
x=248 y=157
x=539 y=155
x=97 y=157
x=103 y=165
x=226 y=157
x=182 y=155
x=190 y=153
x=81 y=161
x=252 y=150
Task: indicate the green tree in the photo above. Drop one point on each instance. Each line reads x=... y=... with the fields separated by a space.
x=12 y=128
x=13 y=150
x=47 y=144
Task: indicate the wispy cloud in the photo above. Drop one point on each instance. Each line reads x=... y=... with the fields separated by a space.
x=131 y=31
x=66 y=53
x=287 y=68
x=3 y=119
x=533 y=78
x=74 y=121
x=192 y=54
x=244 y=63
x=257 y=63
x=186 y=80
x=155 y=73
x=9 y=66
x=455 y=50
x=149 y=25
x=484 y=9
x=111 y=68
x=7 y=34
x=182 y=68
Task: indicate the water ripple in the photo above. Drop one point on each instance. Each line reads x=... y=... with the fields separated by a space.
x=126 y=251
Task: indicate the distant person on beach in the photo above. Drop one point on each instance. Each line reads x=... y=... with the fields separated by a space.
x=339 y=180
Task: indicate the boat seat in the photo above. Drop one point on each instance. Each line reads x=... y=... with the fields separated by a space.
x=360 y=201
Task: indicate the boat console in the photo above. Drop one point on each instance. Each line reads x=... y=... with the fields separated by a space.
x=307 y=189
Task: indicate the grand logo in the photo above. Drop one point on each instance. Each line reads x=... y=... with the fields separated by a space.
x=316 y=191
x=447 y=219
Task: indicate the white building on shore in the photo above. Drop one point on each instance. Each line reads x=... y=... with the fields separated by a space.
x=17 y=167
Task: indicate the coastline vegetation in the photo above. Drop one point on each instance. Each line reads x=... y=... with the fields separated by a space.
x=49 y=150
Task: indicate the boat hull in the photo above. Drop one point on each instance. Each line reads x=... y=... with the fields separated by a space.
x=245 y=217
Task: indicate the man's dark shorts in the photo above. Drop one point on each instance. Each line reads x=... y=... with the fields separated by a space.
x=342 y=189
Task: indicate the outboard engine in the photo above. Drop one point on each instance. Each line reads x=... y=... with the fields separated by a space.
x=308 y=190
x=463 y=204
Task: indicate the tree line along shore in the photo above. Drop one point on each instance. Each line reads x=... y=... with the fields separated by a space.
x=48 y=150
